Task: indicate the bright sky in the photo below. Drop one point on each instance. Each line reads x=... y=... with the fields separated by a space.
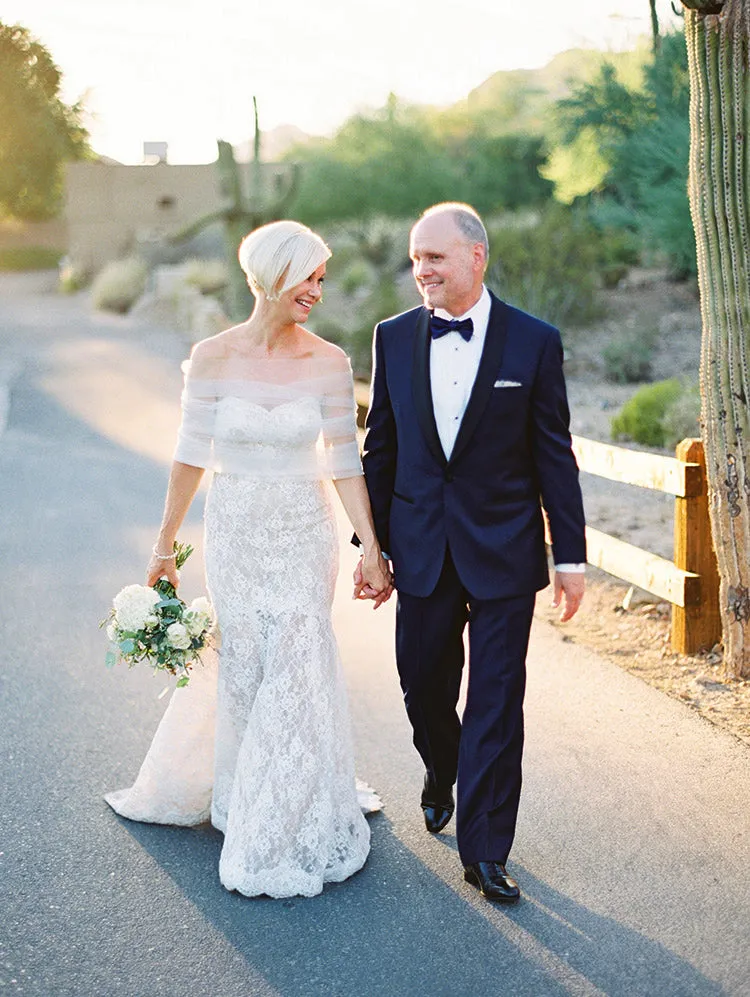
x=185 y=71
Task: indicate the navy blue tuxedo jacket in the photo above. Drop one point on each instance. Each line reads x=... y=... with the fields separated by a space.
x=512 y=451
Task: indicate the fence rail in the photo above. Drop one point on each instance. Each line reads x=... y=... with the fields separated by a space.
x=690 y=582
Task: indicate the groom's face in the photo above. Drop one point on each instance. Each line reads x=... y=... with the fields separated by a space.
x=447 y=267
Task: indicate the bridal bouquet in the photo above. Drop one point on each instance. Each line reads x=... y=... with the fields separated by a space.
x=155 y=625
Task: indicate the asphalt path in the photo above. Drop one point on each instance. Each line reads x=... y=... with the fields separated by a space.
x=632 y=850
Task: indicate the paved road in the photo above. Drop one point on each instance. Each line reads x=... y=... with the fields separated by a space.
x=632 y=850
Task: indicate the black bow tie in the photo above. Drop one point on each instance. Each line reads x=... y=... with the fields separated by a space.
x=440 y=326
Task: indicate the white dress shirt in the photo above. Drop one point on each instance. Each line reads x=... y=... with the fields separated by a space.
x=454 y=364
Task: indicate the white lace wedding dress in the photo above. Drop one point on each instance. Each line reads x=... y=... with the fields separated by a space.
x=260 y=739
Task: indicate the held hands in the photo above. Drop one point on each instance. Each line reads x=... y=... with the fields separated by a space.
x=373 y=579
x=571 y=585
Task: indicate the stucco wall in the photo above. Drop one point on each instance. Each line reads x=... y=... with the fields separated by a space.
x=110 y=209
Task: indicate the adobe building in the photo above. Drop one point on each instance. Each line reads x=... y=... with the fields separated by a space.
x=112 y=211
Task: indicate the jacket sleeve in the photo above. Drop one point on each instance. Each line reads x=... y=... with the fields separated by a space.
x=554 y=458
x=381 y=445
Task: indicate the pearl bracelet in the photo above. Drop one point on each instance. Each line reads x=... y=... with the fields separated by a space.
x=161 y=557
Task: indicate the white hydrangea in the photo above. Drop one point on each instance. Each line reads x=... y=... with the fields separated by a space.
x=178 y=637
x=133 y=605
x=197 y=618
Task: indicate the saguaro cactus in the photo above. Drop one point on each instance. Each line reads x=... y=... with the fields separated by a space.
x=718 y=41
x=240 y=214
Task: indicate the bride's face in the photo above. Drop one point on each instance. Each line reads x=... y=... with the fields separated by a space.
x=300 y=299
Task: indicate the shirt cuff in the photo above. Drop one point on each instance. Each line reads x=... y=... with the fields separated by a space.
x=573 y=569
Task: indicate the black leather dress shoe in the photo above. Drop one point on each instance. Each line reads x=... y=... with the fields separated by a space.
x=492 y=881
x=436 y=816
x=437 y=805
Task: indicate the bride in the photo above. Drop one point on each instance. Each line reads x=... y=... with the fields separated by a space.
x=265 y=750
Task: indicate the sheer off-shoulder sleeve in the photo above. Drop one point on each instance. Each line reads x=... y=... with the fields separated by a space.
x=195 y=440
x=339 y=427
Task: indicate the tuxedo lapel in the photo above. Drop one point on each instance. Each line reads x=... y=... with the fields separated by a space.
x=422 y=391
x=492 y=355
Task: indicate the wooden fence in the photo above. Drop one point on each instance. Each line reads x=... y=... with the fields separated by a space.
x=690 y=582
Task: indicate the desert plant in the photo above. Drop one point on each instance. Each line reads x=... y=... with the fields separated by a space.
x=682 y=416
x=548 y=268
x=208 y=276
x=118 y=286
x=627 y=359
x=72 y=277
x=641 y=418
x=331 y=331
x=240 y=214
x=357 y=276
x=718 y=45
x=29 y=258
x=382 y=302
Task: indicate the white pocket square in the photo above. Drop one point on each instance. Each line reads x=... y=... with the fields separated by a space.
x=507 y=384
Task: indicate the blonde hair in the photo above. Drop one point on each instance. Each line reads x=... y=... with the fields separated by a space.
x=280 y=255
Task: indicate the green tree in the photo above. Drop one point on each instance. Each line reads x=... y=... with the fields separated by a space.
x=400 y=159
x=625 y=148
x=38 y=132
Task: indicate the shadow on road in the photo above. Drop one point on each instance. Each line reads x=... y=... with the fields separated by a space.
x=397 y=929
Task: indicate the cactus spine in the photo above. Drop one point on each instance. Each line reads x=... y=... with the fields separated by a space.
x=718 y=39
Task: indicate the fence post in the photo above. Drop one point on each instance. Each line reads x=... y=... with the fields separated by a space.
x=697 y=626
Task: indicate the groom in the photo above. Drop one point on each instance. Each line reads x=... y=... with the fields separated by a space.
x=467 y=436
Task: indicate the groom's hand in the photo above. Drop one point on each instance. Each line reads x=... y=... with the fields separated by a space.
x=362 y=590
x=569 y=589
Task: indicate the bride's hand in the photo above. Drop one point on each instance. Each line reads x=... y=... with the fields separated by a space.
x=158 y=568
x=373 y=579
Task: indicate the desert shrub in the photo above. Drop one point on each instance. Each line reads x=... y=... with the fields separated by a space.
x=682 y=416
x=618 y=251
x=641 y=418
x=208 y=276
x=357 y=276
x=73 y=277
x=627 y=359
x=30 y=258
x=118 y=286
x=331 y=331
x=382 y=302
x=549 y=268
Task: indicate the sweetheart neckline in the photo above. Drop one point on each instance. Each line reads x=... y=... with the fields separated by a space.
x=262 y=408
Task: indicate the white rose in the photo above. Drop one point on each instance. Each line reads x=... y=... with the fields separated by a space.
x=151 y=621
x=202 y=605
x=198 y=617
x=178 y=637
x=133 y=605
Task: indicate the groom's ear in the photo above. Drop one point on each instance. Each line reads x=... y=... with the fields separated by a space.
x=479 y=257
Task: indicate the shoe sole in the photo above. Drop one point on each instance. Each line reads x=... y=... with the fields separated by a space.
x=473 y=880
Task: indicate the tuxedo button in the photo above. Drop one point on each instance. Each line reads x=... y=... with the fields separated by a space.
x=448 y=477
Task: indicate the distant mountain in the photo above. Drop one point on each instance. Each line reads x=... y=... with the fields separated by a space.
x=518 y=100
x=274 y=143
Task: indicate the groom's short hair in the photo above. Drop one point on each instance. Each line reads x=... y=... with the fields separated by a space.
x=467 y=220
